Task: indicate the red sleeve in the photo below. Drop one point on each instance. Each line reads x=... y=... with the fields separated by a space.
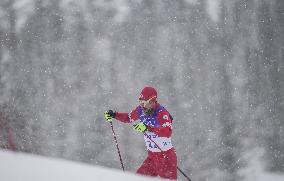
x=165 y=121
x=127 y=117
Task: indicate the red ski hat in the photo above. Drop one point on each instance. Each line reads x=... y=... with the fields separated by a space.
x=148 y=93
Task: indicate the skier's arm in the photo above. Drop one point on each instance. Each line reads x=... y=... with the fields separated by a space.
x=127 y=117
x=166 y=125
x=123 y=117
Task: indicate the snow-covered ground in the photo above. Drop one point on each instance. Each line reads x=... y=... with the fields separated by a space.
x=27 y=167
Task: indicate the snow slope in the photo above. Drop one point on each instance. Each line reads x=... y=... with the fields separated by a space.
x=26 y=167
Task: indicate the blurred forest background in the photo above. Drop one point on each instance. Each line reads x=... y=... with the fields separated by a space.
x=218 y=66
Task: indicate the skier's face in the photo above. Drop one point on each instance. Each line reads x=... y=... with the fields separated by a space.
x=147 y=104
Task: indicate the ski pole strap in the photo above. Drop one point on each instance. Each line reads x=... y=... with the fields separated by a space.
x=162 y=151
x=114 y=136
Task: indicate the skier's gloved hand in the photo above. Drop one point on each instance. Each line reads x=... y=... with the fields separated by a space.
x=140 y=127
x=109 y=115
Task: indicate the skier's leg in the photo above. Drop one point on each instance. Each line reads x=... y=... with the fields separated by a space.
x=147 y=167
x=168 y=165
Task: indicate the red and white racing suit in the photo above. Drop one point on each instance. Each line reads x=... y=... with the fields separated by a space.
x=158 y=163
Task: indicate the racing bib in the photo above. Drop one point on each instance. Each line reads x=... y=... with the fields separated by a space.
x=152 y=140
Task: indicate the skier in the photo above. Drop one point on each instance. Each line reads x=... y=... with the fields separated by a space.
x=155 y=122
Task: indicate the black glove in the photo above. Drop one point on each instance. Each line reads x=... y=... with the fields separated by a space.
x=109 y=115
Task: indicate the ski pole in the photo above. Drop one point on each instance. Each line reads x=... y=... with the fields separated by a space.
x=114 y=136
x=162 y=151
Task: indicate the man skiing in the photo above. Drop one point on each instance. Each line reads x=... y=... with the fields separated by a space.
x=155 y=122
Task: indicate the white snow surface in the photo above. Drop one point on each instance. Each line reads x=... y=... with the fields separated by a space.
x=16 y=166
x=26 y=167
